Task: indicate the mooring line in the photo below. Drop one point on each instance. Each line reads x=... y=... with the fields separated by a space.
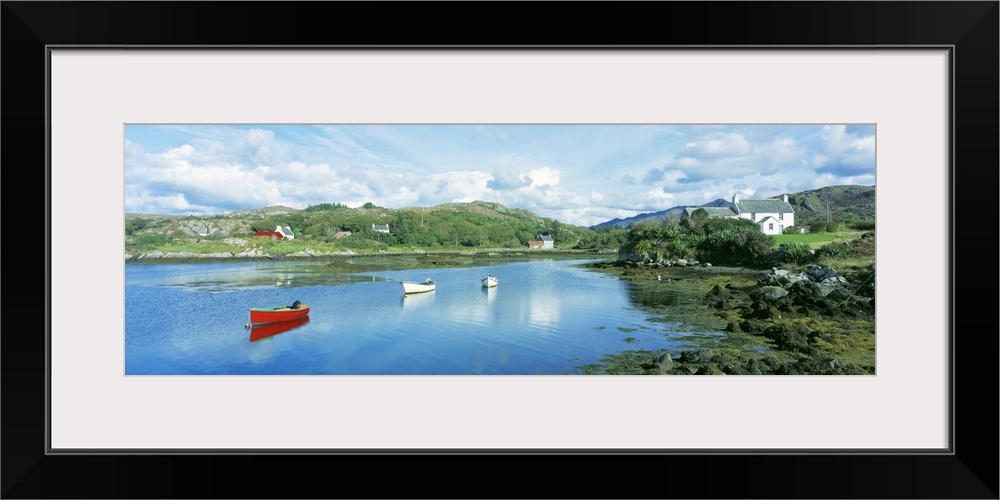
x=856 y=290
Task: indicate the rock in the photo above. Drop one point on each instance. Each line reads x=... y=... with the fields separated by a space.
x=768 y=293
x=696 y=356
x=664 y=362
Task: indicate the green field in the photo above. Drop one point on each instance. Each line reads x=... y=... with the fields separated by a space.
x=816 y=240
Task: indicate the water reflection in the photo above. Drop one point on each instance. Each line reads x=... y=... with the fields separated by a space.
x=547 y=318
x=412 y=301
x=490 y=293
x=265 y=331
x=544 y=310
x=652 y=296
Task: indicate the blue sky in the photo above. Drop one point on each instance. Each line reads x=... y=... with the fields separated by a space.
x=578 y=174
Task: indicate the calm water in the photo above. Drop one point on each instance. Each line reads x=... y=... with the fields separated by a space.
x=545 y=317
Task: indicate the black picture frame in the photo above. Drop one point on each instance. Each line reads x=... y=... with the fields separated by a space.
x=969 y=28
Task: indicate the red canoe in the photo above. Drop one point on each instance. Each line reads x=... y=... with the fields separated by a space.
x=266 y=315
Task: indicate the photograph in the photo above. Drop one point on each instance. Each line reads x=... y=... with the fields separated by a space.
x=369 y=239
x=498 y=249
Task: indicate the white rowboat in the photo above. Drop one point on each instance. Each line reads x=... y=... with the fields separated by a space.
x=490 y=281
x=418 y=286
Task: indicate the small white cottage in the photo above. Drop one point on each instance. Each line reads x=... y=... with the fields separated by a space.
x=771 y=215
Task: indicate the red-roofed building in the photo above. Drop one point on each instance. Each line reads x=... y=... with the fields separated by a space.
x=279 y=232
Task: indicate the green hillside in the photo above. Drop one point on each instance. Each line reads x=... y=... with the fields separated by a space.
x=478 y=225
x=323 y=228
x=850 y=204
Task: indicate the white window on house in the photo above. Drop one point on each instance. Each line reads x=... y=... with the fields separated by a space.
x=770 y=226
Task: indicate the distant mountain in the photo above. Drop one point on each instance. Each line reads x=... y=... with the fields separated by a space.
x=816 y=205
x=663 y=214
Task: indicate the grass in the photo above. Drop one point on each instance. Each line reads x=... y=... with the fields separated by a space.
x=816 y=240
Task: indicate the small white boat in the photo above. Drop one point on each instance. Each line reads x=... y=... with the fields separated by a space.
x=490 y=281
x=418 y=286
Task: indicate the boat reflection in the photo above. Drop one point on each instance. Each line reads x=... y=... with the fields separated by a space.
x=415 y=300
x=270 y=330
x=490 y=292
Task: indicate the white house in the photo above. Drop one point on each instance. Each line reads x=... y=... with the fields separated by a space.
x=384 y=228
x=286 y=232
x=547 y=241
x=771 y=216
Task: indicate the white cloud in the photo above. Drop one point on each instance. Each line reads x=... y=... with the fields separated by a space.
x=545 y=176
x=717 y=145
x=577 y=175
x=505 y=178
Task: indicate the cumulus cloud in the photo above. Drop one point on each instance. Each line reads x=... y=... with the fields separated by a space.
x=843 y=153
x=748 y=159
x=653 y=175
x=507 y=178
x=545 y=176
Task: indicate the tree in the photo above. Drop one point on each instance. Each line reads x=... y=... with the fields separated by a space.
x=643 y=248
x=696 y=220
x=402 y=231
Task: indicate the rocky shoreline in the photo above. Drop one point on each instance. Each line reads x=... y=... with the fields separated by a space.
x=812 y=320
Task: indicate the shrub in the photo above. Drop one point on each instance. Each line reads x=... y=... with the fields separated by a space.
x=135 y=224
x=849 y=218
x=797 y=252
x=751 y=247
x=834 y=251
x=817 y=227
x=151 y=241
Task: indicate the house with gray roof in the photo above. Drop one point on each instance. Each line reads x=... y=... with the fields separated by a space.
x=771 y=215
x=547 y=241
